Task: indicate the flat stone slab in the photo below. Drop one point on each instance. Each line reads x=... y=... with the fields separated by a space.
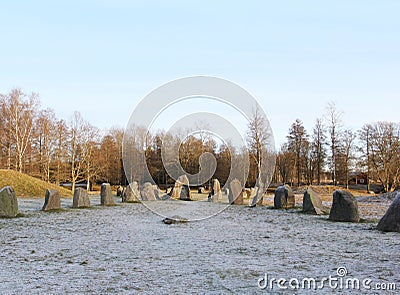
x=8 y=202
x=174 y=220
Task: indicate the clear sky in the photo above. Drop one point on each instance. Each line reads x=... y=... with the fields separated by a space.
x=102 y=57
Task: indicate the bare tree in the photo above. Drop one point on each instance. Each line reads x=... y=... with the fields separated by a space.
x=285 y=161
x=346 y=154
x=319 y=151
x=385 y=153
x=258 y=136
x=76 y=139
x=19 y=111
x=334 y=123
x=90 y=153
x=46 y=137
x=365 y=148
x=297 y=140
x=61 y=146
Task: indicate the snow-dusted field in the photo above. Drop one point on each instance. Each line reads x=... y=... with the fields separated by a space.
x=127 y=249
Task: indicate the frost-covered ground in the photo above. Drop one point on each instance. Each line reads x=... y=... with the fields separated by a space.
x=126 y=249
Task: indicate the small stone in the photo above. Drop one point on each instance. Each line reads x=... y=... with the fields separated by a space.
x=52 y=200
x=174 y=219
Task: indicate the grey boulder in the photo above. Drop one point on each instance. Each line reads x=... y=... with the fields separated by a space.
x=390 y=222
x=284 y=198
x=344 y=207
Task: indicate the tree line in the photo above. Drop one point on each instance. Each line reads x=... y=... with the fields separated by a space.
x=34 y=141
x=334 y=150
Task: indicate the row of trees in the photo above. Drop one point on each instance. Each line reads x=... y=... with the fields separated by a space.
x=34 y=141
x=373 y=151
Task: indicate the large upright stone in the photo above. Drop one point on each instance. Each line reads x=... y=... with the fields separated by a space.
x=147 y=192
x=81 y=198
x=131 y=194
x=106 y=197
x=391 y=220
x=312 y=203
x=235 y=195
x=215 y=193
x=8 y=202
x=52 y=200
x=284 y=198
x=257 y=194
x=181 y=189
x=344 y=207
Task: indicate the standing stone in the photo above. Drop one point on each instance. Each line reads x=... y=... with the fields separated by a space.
x=215 y=193
x=391 y=220
x=106 y=197
x=147 y=193
x=131 y=194
x=312 y=203
x=8 y=202
x=52 y=200
x=181 y=189
x=235 y=193
x=120 y=191
x=284 y=198
x=81 y=198
x=344 y=207
x=156 y=192
x=257 y=194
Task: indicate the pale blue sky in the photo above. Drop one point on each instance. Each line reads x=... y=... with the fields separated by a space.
x=102 y=57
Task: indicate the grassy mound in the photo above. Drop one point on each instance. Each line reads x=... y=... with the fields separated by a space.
x=28 y=186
